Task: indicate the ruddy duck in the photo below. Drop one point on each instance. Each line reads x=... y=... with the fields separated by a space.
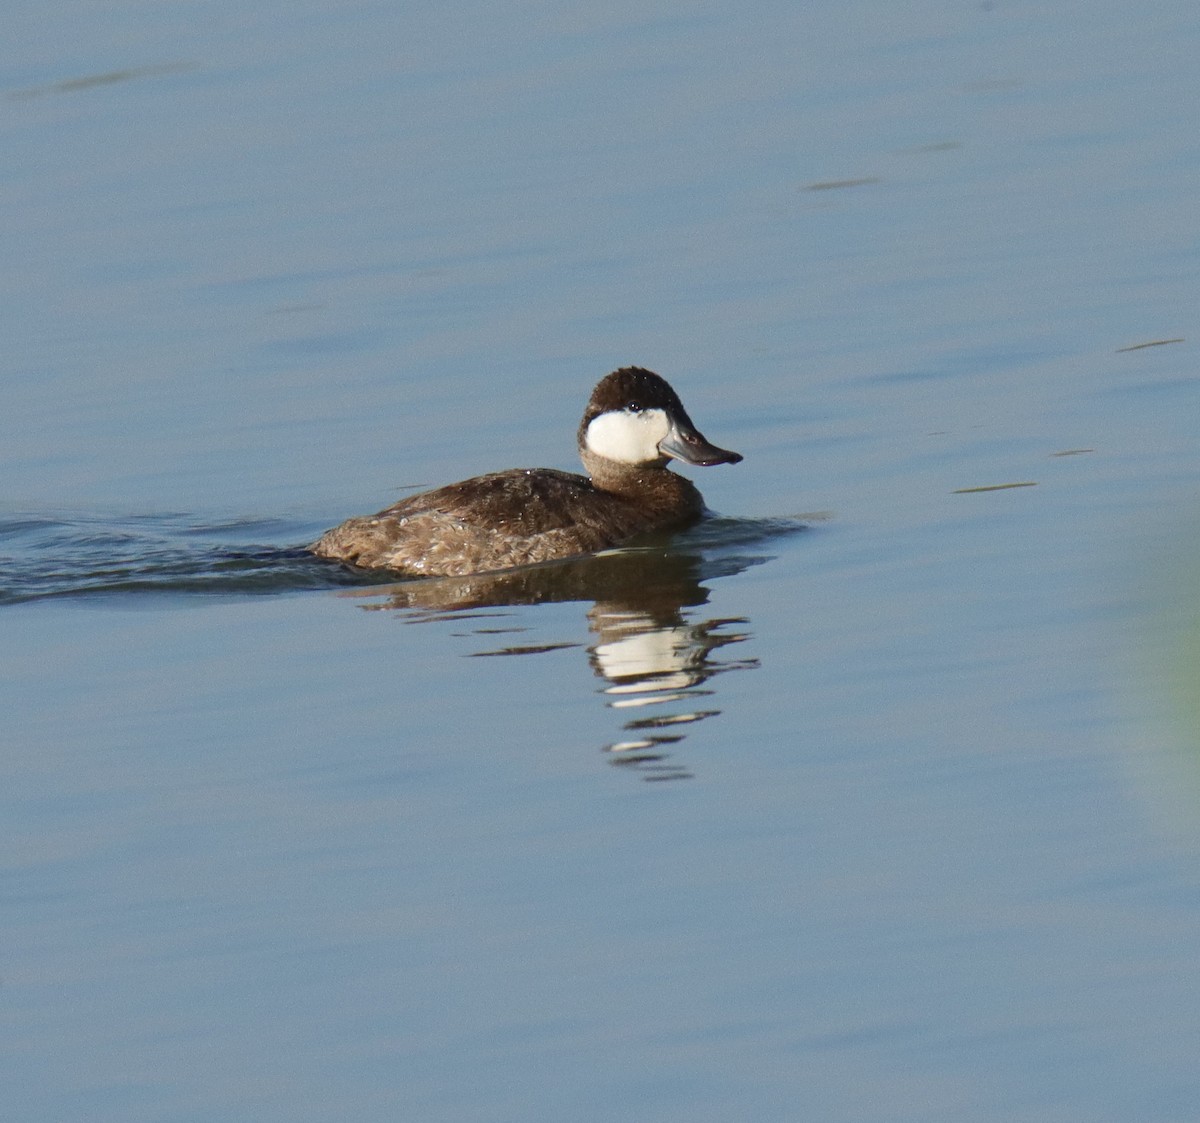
x=633 y=424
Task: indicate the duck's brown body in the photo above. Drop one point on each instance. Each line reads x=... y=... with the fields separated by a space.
x=525 y=516
x=513 y=518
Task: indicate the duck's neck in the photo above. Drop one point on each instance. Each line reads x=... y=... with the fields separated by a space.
x=650 y=485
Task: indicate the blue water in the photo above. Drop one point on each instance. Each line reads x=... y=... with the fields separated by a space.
x=874 y=798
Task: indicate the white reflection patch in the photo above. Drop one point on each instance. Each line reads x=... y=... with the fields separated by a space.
x=660 y=654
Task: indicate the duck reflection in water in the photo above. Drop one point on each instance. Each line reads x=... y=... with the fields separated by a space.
x=652 y=648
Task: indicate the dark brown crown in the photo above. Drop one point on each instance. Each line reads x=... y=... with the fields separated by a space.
x=633 y=387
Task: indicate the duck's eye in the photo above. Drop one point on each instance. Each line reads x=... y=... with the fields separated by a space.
x=634 y=407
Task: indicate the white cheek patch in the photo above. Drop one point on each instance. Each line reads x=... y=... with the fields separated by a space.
x=631 y=438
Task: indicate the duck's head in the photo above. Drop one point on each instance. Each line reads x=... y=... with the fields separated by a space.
x=635 y=418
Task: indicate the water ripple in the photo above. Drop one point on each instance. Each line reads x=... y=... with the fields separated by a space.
x=73 y=555
x=44 y=556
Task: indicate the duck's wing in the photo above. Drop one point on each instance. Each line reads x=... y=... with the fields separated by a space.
x=491 y=522
x=521 y=501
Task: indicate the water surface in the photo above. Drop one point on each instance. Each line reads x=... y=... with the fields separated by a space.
x=891 y=818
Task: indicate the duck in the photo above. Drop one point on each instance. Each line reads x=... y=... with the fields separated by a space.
x=633 y=426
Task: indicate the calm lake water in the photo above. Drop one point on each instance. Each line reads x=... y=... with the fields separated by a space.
x=876 y=798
